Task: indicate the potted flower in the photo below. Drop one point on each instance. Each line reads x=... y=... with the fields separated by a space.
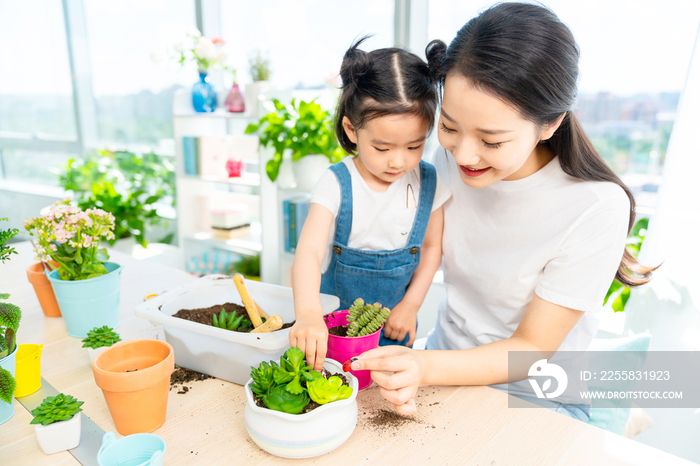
x=99 y=339
x=10 y=315
x=355 y=331
x=307 y=131
x=295 y=412
x=57 y=423
x=85 y=284
x=259 y=67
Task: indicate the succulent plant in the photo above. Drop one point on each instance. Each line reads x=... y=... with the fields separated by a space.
x=100 y=336
x=56 y=408
x=231 y=322
x=279 y=399
x=324 y=391
x=365 y=319
x=263 y=377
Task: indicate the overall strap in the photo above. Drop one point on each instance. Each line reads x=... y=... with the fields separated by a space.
x=343 y=223
x=428 y=181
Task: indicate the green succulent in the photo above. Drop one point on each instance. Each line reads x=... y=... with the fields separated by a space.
x=231 y=322
x=365 y=319
x=292 y=369
x=56 y=408
x=324 y=391
x=279 y=399
x=263 y=377
x=101 y=336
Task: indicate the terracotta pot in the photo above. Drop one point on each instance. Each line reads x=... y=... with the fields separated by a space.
x=43 y=290
x=135 y=380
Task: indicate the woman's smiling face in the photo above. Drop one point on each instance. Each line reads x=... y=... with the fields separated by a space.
x=489 y=139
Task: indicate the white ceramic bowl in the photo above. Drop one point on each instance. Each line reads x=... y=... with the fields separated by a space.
x=303 y=435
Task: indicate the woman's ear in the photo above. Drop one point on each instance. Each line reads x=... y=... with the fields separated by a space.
x=551 y=128
x=349 y=130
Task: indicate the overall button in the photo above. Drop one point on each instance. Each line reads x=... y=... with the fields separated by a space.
x=337 y=250
x=414 y=251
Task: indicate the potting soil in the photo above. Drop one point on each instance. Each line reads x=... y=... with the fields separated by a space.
x=206 y=315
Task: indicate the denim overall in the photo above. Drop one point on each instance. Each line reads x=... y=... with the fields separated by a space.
x=375 y=276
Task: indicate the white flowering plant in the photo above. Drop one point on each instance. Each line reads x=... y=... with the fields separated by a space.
x=71 y=238
x=208 y=54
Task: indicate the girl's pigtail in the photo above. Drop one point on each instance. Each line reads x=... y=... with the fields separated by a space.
x=435 y=52
x=356 y=66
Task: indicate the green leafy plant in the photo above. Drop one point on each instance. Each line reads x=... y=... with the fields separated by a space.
x=71 y=238
x=56 y=408
x=231 y=322
x=291 y=369
x=617 y=291
x=365 y=319
x=123 y=183
x=10 y=315
x=100 y=337
x=304 y=128
x=324 y=391
x=280 y=399
x=5 y=236
x=263 y=377
x=259 y=67
x=248 y=266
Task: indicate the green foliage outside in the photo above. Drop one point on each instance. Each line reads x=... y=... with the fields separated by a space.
x=56 y=408
x=10 y=315
x=5 y=236
x=304 y=128
x=619 y=292
x=125 y=184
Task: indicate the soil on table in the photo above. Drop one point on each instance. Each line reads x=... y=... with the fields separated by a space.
x=341 y=331
x=181 y=376
x=312 y=404
x=206 y=315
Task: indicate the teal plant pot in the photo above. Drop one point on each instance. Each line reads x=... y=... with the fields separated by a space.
x=134 y=449
x=86 y=304
x=8 y=409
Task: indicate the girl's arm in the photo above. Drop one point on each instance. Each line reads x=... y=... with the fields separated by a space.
x=309 y=333
x=543 y=329
x=403 y=316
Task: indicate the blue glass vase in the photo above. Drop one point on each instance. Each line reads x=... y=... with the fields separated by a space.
x=203 y=95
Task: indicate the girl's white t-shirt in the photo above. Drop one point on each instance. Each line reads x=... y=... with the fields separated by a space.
x=380 y=220
x=548 y=234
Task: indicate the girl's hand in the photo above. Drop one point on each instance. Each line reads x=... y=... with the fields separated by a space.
x=407 y=368
x=402 y=321
x=310 y=335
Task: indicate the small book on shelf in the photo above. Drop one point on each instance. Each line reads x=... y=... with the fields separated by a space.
x=230 y=233
x=294 y=212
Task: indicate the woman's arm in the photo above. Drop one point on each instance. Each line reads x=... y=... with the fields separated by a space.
x=309 y=333
x=543 y=329
x=403 y=316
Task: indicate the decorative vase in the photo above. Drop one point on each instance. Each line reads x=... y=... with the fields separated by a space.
x=234 y=100
x=86 y=304
x=203 y=95
x=342 y=349
x=135 y=380
x=59 y=436
x=309 y=169
x=8 y=409
x=234 y=168
x=43 y=290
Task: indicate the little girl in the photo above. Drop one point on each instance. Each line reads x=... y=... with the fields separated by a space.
x=375 y=224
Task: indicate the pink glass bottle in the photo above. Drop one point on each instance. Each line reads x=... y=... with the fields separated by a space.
x=234 y=100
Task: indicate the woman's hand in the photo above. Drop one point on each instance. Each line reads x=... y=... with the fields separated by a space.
x=310 y=334
x=402 y=321
x=406 y=368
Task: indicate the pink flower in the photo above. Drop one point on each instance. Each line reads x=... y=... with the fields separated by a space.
x=53 y=247
x=218 y=41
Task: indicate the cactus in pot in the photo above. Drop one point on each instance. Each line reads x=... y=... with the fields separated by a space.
x=365 y=319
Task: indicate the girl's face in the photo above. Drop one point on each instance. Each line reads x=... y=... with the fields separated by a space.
x=488 y=138
x=388 y=147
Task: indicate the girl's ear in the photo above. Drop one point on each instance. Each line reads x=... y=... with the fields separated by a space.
x=349 y=130
x=551 y=128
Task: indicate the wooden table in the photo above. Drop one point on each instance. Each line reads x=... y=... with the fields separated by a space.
x=454 y=425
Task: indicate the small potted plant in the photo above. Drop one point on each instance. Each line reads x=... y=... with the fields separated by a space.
x=57 y=423
x=10 y=315
x=305 y=129
x=99 y=339
x=295 y=412
x=259 y=67
x=355 y=331
x=85 y=284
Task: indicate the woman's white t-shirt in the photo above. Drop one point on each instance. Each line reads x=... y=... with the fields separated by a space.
x=381 y=221
x=547 y=234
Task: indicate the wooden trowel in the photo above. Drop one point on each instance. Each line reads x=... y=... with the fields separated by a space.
x=254 y=311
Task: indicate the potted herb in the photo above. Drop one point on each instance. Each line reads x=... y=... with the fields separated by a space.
x=355 y=331
x=99 y=339
x=305 y=129
x=295 y=412
x=85 y=284
x=259 y=67
x=10 y=315
x=57 y=423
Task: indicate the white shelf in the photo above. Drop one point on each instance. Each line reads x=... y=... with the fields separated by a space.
x=247 y=245
x=247 y=179
x=218 y=113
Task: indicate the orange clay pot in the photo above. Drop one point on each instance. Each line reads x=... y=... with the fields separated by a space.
x=43 y=290
x=135 y=380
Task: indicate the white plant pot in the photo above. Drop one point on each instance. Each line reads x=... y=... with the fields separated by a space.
x=309 y=169
x=94 y=352
x=252 y=94
x=59 y=436
x=303 y=435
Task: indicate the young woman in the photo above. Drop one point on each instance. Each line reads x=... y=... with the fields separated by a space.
x=535 y=230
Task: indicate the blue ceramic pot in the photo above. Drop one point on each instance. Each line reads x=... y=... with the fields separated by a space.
x=203 y=95
x=134 y=449
x=8 y=409
x=86 y=304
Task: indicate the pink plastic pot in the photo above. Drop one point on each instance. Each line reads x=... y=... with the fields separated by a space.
x=342 y=349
